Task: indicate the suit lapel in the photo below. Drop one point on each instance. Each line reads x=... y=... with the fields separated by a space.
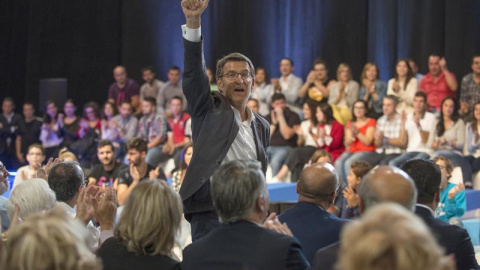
x=256 y=126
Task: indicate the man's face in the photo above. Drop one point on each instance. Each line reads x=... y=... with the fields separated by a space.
x=286 y=67
x=120 y=75
x=28 y=111
x=476 y=66
x=176 y=106
x=105 y=155
x=236 y=90
x=126 y=110
x=3 y=178
x=419 y=104
x=148 y=76
x=34 y=156
x=434 y=65
x=7 y=107
x=253 y=105
x=173 y=76
x=279 y=103
x=135 y=157
x=388 y=107
x=147 y=107
x=260 y=76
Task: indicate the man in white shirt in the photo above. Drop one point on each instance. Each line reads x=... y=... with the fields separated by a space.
x=289 y=85
x=67 y=180
x=223 y=127
x=418 y=127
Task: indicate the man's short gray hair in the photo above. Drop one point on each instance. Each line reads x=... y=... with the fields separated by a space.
x=32 y=196
x=235 y=187
x=233 y=57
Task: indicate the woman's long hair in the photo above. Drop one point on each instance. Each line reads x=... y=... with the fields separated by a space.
x=454 y=117
x=409 y=72
x=475 y=121
x=150 y=219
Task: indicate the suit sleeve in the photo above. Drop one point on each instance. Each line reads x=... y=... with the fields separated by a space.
x=195 y=80
x=465 y=255
x=295 y=258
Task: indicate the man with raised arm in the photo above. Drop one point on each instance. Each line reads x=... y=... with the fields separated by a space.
x=223 y=127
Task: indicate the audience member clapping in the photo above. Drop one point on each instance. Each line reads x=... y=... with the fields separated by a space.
x=330 y=133
x=35 y=157
x=343 y=94
x=359 y=139
x=70 y=124
x=404 y=86
x=109 y=127
x=49 y=134
x=372 y=89
x=350 y=193
x=452 y=196
x=145 y=234
x=447 y=138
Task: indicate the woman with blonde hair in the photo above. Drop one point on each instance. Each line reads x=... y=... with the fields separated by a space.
x=343 y=93
x=145 y=234
x=388 y=236
x=51 y=241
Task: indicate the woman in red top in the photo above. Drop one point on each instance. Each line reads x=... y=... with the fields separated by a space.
x=358 y=139
x=329 y=132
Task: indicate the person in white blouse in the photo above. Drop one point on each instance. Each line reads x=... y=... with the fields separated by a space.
x=473 y=140
x=404 y=86
x=343 y=94
x=262 y=91
x=447 y=138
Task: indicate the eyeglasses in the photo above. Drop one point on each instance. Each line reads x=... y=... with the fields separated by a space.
x=246 y=76
x=359 y=108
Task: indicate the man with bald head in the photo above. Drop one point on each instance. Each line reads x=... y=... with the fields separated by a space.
x=123 y=88
x=382 y=184
x=456 y=240
x=309 y=220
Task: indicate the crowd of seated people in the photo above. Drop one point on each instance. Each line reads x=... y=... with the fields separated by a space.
x=382 y=123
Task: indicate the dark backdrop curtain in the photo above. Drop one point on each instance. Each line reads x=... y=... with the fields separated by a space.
x=84 y=40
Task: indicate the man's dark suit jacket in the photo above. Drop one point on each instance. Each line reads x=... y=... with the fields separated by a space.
x=314 y=227
x=454 y=239
x=244 y=245
x=213 y=131
x=326 y=258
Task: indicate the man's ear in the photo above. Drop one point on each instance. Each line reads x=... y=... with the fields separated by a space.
x=220 y=85
x=259 y=204
x=297 y=188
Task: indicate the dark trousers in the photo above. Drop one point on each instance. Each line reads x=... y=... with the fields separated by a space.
x=202 y=223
